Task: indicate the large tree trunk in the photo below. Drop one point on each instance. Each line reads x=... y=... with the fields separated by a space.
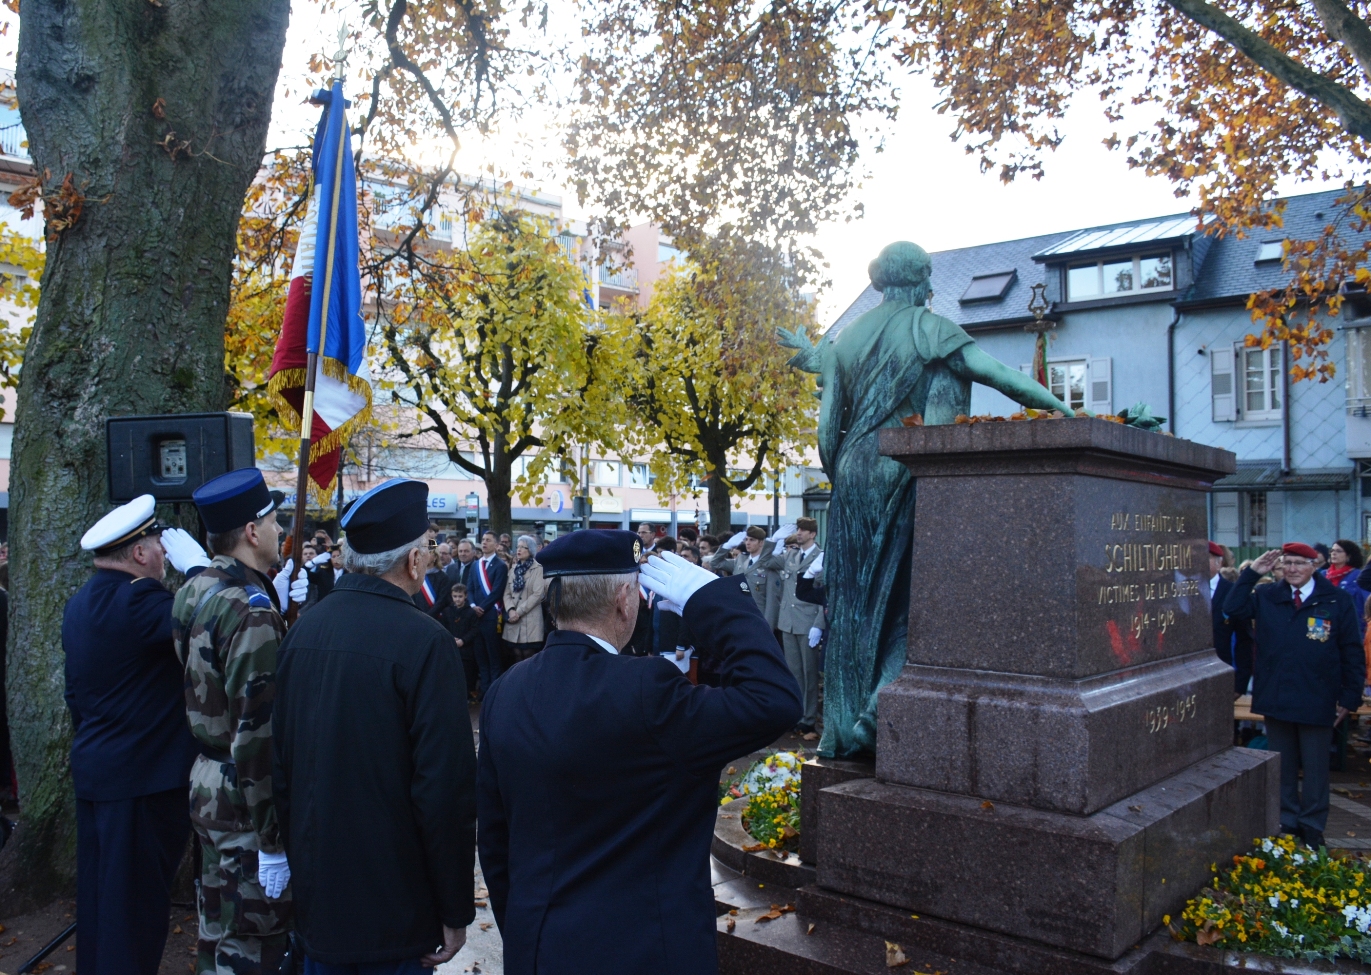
x=498 y=486
x=156 y=112
x=720 y=502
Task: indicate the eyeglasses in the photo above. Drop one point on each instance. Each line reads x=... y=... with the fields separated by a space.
x=1295 y=563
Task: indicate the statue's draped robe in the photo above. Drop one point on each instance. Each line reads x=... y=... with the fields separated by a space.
x=890 y=363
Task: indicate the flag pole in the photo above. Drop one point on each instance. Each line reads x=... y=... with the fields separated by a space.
x=297 y=537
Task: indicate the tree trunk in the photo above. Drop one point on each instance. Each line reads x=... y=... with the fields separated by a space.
x=155 y=111
x=720 y=503
x=498 y=485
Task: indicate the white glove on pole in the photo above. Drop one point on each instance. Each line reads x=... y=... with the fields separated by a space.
x=183 y=551
x=815 y=568
x=282 y=584
x=674 y=579
x=319 y=560
x=736 y=541
x=273 y=873
x=815 y=635
x=299 y=589
x=782 y=533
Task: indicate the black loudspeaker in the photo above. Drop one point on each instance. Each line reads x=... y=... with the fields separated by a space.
x=170 y=456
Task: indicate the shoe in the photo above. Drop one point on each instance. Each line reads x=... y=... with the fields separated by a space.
x=1313 y=839
x=804 y=729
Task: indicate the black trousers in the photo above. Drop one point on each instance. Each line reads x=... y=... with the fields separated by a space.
x=488 y=651
x=1302 y=746
x=127 y=852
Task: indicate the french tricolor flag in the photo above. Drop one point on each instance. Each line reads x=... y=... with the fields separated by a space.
x=324 y=305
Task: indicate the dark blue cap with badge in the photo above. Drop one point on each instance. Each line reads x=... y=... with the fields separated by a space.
x=591 y=551
x=389 y=515
x=232 y=500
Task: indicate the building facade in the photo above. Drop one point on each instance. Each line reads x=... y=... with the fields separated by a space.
x=1154 y=311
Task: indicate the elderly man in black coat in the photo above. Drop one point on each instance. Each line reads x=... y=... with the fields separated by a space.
x=375 y=768
x=1308 y=675
x=599 y=772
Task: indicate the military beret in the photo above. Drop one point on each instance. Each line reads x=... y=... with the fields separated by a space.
x=757 y=532
x=591 y=551
x=1216 y=549
x=126 y=523
x=388 y=516
x=232 y=500
x=1300 y=549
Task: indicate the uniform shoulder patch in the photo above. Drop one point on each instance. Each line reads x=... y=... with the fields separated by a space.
x=743 y=587
x=257 y=599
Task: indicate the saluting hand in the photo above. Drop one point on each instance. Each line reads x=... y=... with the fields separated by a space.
x=453 y=939
x=1267 y=562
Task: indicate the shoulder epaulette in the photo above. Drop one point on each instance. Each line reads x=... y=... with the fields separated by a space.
x=257 y=599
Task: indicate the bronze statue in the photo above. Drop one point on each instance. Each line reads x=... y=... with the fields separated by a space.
x=896 y=360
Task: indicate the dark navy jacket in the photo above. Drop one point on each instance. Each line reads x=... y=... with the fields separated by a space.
x=1308 y=660
x=597 y=789
x=1232 y=642
x=125 y=690
x=476 y=593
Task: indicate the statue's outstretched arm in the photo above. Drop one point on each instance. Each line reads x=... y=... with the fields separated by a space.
x=807 y=358
x=971 y=363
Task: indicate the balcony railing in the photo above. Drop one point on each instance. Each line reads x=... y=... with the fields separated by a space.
x=625 y=278
x=12 y=139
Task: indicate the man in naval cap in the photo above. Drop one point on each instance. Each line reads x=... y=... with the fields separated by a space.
x=598 y=774
x=227 y=630
x=375 y=765
x=131 y=751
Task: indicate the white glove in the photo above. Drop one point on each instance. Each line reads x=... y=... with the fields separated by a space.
x=782 y=533
x=319 y=560
x=273 y=873
x=183 y=551
x=674 y=579
x=736 y=541
x=814 y=569
x=282 y=584
x=299 y=589
x=815 y=635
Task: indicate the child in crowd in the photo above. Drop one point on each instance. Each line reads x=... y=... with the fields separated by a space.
x=461 y=621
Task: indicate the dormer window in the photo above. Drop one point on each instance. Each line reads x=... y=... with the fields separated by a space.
x=1270 y=250
x=988 y=287
x=1115 y=276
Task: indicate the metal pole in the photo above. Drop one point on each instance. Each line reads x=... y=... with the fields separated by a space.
x=47 y=949
x=775 y=501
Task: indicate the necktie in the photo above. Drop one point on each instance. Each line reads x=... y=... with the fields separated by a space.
x=1297 y=598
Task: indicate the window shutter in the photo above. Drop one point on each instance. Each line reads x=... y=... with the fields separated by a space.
x=1225 y=527
x=1221 y=383
x=1100 y=394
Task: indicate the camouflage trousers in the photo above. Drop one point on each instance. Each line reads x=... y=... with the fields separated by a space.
x=241 y=931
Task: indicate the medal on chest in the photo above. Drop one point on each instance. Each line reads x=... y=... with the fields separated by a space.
x=1319 y=629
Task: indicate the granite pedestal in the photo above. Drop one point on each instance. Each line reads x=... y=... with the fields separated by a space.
x=1053 y=765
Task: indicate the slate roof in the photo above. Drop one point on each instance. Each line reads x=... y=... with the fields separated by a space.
x=1226 y=269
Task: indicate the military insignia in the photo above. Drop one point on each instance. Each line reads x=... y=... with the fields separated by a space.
x=1319 y=629
x=743 y=587
x=257 y=599
x=637 y=549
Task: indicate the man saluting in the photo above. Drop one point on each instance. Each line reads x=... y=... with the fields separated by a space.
x=598 y=773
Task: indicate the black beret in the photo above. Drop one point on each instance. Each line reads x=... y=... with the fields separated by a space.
x=591 y=551
x=386 y=517
x=232 y=500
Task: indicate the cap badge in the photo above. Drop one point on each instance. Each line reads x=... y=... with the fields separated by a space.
x=637 y=549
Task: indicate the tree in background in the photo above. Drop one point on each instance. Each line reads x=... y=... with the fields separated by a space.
x=710 y=391
x=21 y=294
x=1245 y=93
x=494 y=348
x=146 y=123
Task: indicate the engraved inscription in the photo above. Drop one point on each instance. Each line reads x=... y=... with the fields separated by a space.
x=1164 y=716
x=1129 y=557
x=1123 y=521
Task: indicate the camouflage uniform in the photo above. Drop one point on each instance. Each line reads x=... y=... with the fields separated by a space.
x=230 y=667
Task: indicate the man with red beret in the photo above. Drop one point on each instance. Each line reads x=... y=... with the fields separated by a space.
x=1308 y=674
x=1232 y=643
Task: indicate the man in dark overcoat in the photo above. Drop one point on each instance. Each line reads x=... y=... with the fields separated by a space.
x=1308 y=675
x=131 y=750
x=485 y=589
x=375 y=771
x=599 y=772
x=1232 y=642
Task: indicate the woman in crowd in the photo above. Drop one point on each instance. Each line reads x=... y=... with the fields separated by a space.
x=523 y=635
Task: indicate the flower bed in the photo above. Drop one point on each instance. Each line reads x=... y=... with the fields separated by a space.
x=772 y=789
x=1284 y=900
